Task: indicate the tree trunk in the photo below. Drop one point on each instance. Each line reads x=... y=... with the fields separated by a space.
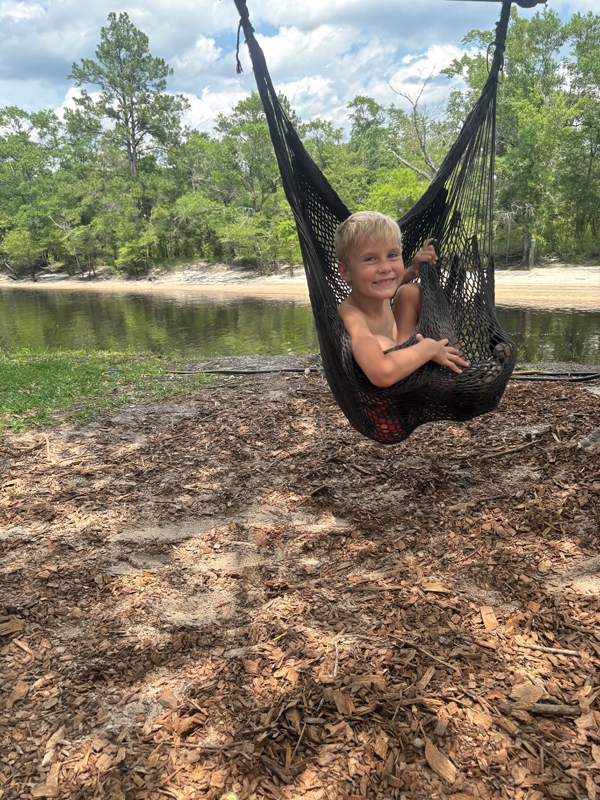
x=526 y=240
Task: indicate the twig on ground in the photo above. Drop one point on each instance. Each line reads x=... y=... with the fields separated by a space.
x=298 y=743
x=337 y=660
x=407 y=643
x=554 y=710
x=557 y=650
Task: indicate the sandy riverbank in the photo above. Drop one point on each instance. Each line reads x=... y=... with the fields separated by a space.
x=542 y=287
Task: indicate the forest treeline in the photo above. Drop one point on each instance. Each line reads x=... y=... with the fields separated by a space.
x=119 y=180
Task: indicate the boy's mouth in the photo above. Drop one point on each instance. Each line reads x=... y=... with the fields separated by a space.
x=385 y=282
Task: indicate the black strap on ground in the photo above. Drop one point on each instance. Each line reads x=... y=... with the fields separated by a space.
x=526 y=375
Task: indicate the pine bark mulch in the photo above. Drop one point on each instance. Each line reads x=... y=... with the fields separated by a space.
x=239 y=593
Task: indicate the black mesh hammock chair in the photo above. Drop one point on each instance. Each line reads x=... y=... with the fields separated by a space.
x=458 y=292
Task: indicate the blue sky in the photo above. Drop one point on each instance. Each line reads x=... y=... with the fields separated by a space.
x=321 y=53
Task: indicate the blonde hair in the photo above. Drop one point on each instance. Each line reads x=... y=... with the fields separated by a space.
x=361 y=226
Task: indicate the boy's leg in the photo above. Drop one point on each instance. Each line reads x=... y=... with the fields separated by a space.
x=408 y=303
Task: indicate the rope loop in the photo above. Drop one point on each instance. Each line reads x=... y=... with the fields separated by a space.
x=238 y=64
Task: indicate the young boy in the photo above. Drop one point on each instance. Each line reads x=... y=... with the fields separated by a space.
x=369 y=252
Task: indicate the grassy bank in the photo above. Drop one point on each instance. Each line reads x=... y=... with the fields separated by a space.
x=39 y=389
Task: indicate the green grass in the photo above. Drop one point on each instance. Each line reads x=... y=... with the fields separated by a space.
x=39 y=389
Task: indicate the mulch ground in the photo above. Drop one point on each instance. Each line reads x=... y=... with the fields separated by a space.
x=238 y=593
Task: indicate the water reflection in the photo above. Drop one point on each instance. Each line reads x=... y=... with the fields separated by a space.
x=188 y=324
x=201 y=325
x=544 y=335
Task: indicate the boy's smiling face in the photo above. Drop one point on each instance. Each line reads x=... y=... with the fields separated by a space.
x=374 y=268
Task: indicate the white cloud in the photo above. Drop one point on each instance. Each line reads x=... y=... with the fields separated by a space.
x=321 y=53
x=582 y=6
x=204 y=109
x=23 y=10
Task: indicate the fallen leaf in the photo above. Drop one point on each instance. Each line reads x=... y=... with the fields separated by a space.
x=590 y=788
x=18 y=693
x=440 y=763
x=292 y=676
x=344 y=703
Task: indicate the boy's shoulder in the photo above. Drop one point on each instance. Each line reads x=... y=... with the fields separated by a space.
x=349 y=309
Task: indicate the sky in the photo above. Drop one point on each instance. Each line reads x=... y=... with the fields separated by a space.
x=320 y=53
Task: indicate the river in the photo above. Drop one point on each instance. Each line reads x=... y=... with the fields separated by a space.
x=196 y=325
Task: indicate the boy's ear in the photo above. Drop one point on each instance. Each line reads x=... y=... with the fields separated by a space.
x=343 y=270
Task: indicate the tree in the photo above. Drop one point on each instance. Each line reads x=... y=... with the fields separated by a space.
x=579 y=174
x=132 y=91
x=532 y=117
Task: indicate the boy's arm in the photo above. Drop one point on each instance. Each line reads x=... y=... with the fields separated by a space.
x=386 y=369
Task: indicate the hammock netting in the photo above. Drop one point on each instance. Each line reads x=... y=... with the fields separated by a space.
x=458 y=291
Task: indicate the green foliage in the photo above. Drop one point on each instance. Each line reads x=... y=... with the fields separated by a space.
x=132 y=92
x=396 y=191
x=119 y=181
x=548 y=165
x=23 y=251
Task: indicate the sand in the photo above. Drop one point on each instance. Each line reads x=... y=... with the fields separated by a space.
x=541 y=287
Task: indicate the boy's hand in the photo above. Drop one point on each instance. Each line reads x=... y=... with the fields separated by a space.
x=426 y=255
x=444 y=355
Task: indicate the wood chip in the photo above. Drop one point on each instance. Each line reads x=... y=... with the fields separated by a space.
x=12 y=626
x=168 y=700
x=438 y=588
x=440 y=763
x=526 y=693
x=44 y=791
x=381 y=746
x=422 y=683
x=489 y=618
